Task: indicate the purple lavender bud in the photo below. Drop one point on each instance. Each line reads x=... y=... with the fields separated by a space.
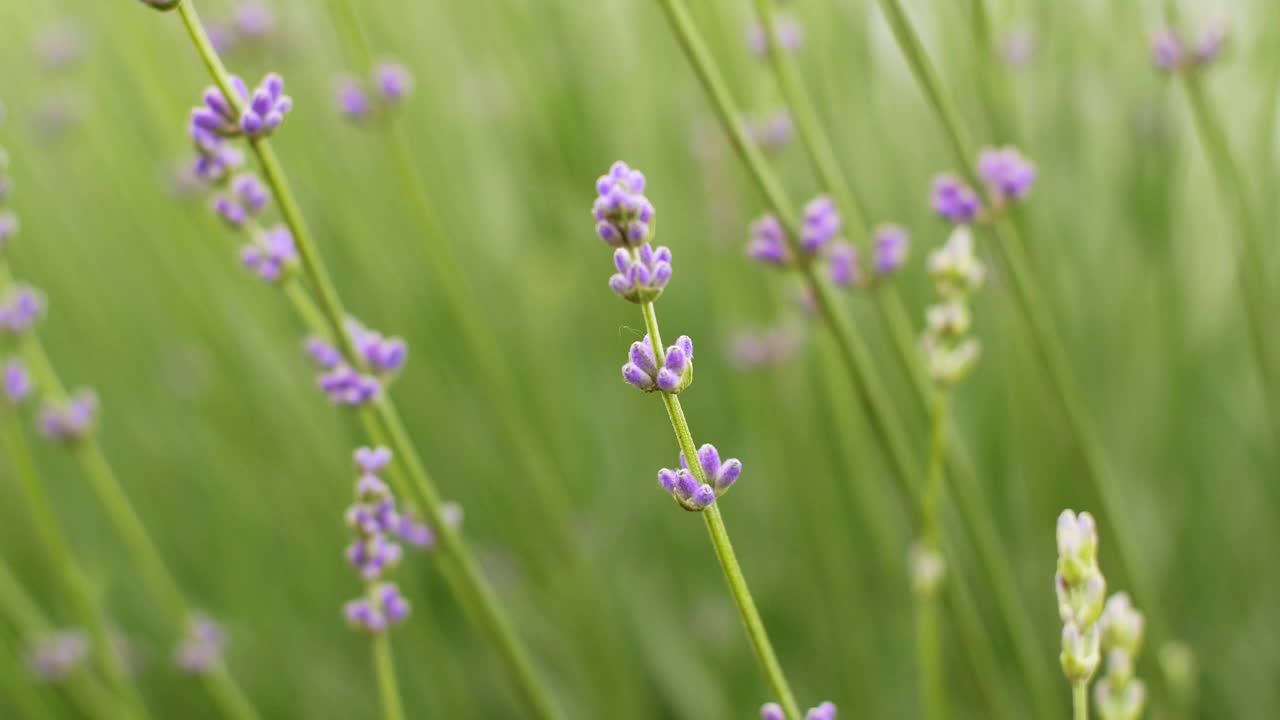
x=201 y=650
x=251 y=193
x=771 y=711
x=19 y=310
x=821 y=224
x=954 y=200
x=642 y=356
x=394 y=605
x=1210 y=43
x=372 y=460
x=686 y=485
x=231 y=213
x=685 y=343
x=254 y=20
x=266 y=109
x=57 y=656
x=730 y=470
x=825 y=711
x=416 y=533
x=768 y=242
x=1007 y=174
x=353 y=101
x=1166 y=51
x=17 y=382
x=790 y=36
x=773 y=131
x=71 y=419
x=634 y=375
x=891 y=245
x=676 y=361
x=215 y=159
x=702 y=497
x=359 y=614
x=709 y=459
x=643 y=279
x=8 y=220
x=667 y=479
x=843 y=261
x=393 y=81
x=675 y=374
x=624 y=216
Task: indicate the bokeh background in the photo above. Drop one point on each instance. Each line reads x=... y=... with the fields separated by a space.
x=239 y=467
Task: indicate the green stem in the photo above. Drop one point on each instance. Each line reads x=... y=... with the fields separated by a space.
x=1044 y=335
x=751 y=620
x=1249 y=261
x=856 y=357
x=932 y=684
x=469 y=582
x=929 y=650
x=384 y=668
x=73 y=579
x=1080 y=700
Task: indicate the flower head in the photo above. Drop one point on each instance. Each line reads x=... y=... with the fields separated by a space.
x=1121 y=624
x=955 y=201
x=820 y=225
x=384 y=356
x=271 y=254
x=772 y=711
x=825 y=711
x=771 y=131
x=641 y=278
x=247 y=199
x=353 y=99
x=58 y=655
x=769 y=242
x=71 y=419
x=955 y=268
x=790 y=36
x=385 y=606
x=1166 y=51
x=1081 y=589
x=1007 y=174
x=842 y=259
x=393 y=81
x=16 y=381
x=673 y=377
x=624 y=216
x=891 y=244
x=266 y=109
x=1210 y=43
x=254 y=19
x=20 y=309
x=201 y=649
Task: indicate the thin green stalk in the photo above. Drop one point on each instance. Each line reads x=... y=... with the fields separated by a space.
x=1249 y=260
x=74 y=582
x=932 y=682
x=1080 y=700
x=756 y=632
x=384 y=668
x=856 y=357
x=469 y=582
x=1048 y=346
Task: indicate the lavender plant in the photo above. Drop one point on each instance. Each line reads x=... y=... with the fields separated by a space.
x=1081 y=589
x=1119 y=695
x=626 y=221
x=69 y=419
x=773 y=711
x=855 y=355
x=254 y=118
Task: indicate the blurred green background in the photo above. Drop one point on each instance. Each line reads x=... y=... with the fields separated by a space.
x=238 y=465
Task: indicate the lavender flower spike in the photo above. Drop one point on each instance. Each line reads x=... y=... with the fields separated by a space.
x=955 y=201
x=821 y=224
x=57 y=656
x=624 y=216
x=1166 y=51
x=393 y=81
x=843 y=261
x=643 y=278
x=372 y=553
x=384 y=356
x=769 y=242
x=19 y=310
x=825 y=711
x=722 y=475
x=272 y=254
x=201 y=650
x=1006 y=173
x=353 y=100
x=247 y=200
x=70 y=420
x=17 y=382
x=266 y=109
x=891 y=246
x=673 y=377
x=772 y=711
x=217 y=117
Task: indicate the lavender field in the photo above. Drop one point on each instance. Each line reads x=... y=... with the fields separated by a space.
x=347 y=359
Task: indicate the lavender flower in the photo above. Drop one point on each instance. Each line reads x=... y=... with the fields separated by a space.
x=1081 y=590
x=891 y=244
x=1166 y=51
x=1209 y=45
x=624 y=216
x=254 y=19
x=71 y=419
x=346 y=386
x=642 y=278
x=843 y=262
x=820 y=225
x=266 y=109
x=956 y=274
x=769 y=242
x=201 y=650
x=218 y=116
x=19 y=310
x=261 y=113
x=247 y=200
x=772 y=711
x=323 y=353
x=353 y=100
x=393 y=81
x=271 y=254
x=384 y=356
x=17 y=381
x=215 y=158
x=683 y=485
x=790 y=36
x=955 y=201
x=371 y=518
x=55 y=657
x=1007 y=174
x=8 y=222
x=955 y=268
x=825 y=711
x=772 y=131
x=673 y=377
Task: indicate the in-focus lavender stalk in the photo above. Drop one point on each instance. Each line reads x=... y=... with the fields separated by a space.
x=380 y=416
x=70 y=419
x=1081 y=589
x=625 y=219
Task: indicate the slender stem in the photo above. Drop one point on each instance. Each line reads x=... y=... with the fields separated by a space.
x=468 y=583
x=856 y=358
x=929 y=651
x=756 y=632
x=1044 y=335
x=1249 y=263
x=384 y=668
x=932 y=684
x=73 y=579
x=1080 y=700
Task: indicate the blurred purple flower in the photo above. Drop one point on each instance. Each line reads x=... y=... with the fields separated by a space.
x=790 y=35
x=19 y=310
x=17 y=381
x=768 y=242
x=891 y=243
x=1210 y=43
x=271 y=254
x=71 y=419
x=254 y=19
x=353 y=100
x=8 y=223
x=842 y=259
x=55 y=657
x=954 y=200
x=393 y=81
x=201 y=650
x=1006 y=172
x=267 y=108
x=1166 y=50
x=821 y=223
